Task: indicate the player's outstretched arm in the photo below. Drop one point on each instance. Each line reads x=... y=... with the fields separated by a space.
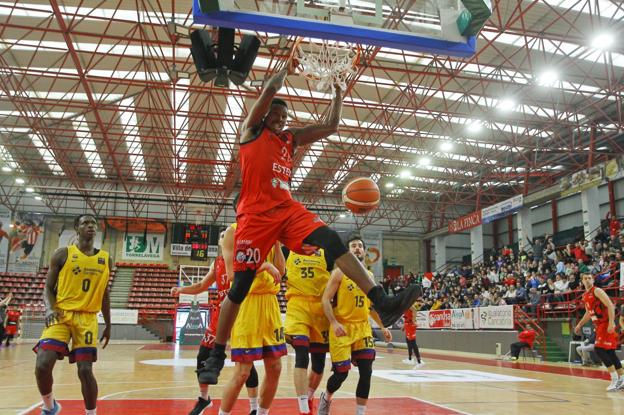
x=263 y=104
x=198 y=287
x=49 y=291
x=580 y=324
x=312 y=133
x=386 y=333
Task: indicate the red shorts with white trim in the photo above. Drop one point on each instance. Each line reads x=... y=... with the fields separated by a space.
x=256 y=233
x=604 y=339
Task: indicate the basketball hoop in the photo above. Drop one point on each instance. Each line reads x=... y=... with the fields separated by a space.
x=325 y=62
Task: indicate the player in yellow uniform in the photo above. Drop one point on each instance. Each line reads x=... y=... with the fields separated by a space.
x=307 y=328
x=76 y=289
x=351 y=335
x=255 y=338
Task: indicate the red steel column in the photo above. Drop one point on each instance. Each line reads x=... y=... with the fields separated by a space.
x=612 y=209
x=555 y=215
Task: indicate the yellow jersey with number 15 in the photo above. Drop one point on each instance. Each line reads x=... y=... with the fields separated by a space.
x=352 y=304
x=82 y=281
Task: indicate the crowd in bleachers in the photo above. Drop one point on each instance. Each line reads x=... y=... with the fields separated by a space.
x=538 y=275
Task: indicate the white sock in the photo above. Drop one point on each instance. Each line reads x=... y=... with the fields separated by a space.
x=48 y=401
x=263 y=411
x=91 y=411
x=360 y=410
x=303 y=404
x=203 y=392
x=223 y=413
x=253 y=404
x=311 y=393
x=614 y=376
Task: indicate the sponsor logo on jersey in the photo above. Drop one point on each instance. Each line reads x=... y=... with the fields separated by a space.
x=240 y=257
x=101 y=261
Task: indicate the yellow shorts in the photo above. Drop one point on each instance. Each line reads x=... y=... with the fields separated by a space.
x=79 y=327
x=306 y=324
x=358 y=344
x=258 y=332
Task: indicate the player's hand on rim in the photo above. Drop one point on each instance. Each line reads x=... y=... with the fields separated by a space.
x=105 y=337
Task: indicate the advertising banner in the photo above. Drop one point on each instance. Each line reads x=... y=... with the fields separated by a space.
x=26 y=242
x=181 y=249
x=440 y=319
x=5 y=229
x=149 y=248
x=422 y=319
x=581 y=180
x=465 y=222
x=121 y=316
x=462 y=319
x=500 y=317
x=502 y=209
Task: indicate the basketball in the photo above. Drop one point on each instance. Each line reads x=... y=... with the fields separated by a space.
x=361 y=195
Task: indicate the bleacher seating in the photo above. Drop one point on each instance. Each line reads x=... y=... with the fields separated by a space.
x=151 y=289
x=27 y=288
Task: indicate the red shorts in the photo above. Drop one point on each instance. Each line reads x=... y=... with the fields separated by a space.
x=211 y=330
x=410 y=331
x=11 y=329
x=256 y=233
x=604 y=339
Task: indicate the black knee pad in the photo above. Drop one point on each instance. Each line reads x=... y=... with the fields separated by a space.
x=335 y=380
x=241 y=285
x=302 y=357
x=328 y=239
x=366 y=371
x=252 y=380
x=318 y=363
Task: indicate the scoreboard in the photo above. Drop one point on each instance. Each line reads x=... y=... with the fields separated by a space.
x=199 y=236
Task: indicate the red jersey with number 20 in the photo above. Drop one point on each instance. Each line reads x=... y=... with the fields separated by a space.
x=266 y=168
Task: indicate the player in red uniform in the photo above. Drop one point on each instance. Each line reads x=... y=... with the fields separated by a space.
x=600 y=309
x=268 y=213
x=409 y=326
x=11 y=324
x=218 y=274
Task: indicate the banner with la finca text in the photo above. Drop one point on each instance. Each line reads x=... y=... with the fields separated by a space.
x=26 y=242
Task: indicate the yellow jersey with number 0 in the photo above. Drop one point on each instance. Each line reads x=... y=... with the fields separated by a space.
x=82 y=281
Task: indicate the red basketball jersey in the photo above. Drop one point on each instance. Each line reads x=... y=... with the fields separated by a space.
x=596 y=309
x=408 y=316
x=13 y=316
x=266 y=169
x=223 y=285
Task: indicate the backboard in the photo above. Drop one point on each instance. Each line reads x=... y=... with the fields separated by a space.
x=429 y=26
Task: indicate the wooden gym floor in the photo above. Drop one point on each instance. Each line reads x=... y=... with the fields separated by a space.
x=159 y=379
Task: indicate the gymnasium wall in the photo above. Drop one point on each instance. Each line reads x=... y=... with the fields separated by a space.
x=461 y=341
x=403 y=250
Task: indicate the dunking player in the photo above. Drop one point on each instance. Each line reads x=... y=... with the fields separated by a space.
x=351 y=335
x=307 y=328
x=600 y=309
x=218 y=274
x=267 y=213
x=258 y=339
x=76 y=289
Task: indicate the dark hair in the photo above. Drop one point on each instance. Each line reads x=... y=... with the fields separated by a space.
x=355 y=236
x=77 y=218
x=279 y=101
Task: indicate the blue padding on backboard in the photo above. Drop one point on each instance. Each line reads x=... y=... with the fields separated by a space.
x=323 y=30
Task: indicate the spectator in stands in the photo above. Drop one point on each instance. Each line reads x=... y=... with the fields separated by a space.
x=521 y=294
x=526 y=339
x=386 y=283
x=506 y=251
x=614 y=225
x=586 y=348
x=561 y=287
x=615 y=242
x=534 y=301
x=510 y=295
x=573 y=283
x=538 y=248
x=476 y=302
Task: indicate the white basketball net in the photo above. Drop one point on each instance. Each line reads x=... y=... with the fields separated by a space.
x=327 y=64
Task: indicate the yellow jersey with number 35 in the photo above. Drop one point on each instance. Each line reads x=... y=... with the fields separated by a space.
x=352 y=304
x=82 y=281
x=307 y=274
